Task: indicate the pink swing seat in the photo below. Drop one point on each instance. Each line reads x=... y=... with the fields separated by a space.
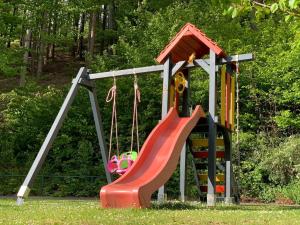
x=122 y=164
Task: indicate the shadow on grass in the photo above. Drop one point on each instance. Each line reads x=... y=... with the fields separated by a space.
x=176 y=205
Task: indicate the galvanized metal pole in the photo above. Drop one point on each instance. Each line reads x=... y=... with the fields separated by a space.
x=182 y=173
x=183 y=155
x=42 y=154
x=165 y=107
x=212 y=131
x=100 y=131
x=228 y=167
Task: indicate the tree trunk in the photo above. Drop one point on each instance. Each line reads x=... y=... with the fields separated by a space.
x=27 y=41
x=92 y=33
x=42 y=45
x=11 y=29
x=75 y=37
x=111 y=16
x=111 y=24
x=81 y=30
x=48 y=48
x=104 y=20
x=40 y=58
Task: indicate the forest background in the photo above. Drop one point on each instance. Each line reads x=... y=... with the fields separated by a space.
x=44 y=43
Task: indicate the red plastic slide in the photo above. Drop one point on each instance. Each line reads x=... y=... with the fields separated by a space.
x=155 y=164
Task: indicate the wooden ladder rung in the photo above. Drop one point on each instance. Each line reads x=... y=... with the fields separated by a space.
x=203 y=177
x=204 y=154
x=204 y=142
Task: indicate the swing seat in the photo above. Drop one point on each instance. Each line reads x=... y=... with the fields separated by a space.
x=132 y=155
x=112 y=164
x=124 y=165
x=126 y=161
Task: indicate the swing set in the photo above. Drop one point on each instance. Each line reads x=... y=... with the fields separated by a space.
x=149 y=168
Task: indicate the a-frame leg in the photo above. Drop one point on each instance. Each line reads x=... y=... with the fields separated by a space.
x=41 y=156
x=99 y=129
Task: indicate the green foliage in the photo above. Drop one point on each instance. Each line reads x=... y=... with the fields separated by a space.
x=27 y=118
x=268 y=169
x=292 y=191
x=282 y=164
x=289 y=8
x=10 y=62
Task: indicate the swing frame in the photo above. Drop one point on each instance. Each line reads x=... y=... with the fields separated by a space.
x=168 y=69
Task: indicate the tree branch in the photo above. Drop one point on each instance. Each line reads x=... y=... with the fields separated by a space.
x=292 y=13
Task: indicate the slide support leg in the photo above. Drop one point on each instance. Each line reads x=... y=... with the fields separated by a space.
x=183 y=172
x=228 y=169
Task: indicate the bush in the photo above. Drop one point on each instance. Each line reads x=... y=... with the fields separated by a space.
x=281 y=165
x=269 y=169
x=292 y=191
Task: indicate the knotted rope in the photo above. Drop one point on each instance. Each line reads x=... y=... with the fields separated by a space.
x=111 y=96
x=135 y=124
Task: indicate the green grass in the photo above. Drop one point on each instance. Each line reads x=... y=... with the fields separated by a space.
x=89 y=212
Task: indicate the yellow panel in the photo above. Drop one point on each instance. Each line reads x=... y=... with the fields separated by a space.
x=219 y=177
x=232 y=101
x=204 y=142
x=223 y=95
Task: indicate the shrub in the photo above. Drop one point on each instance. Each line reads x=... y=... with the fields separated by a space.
x=292 y=191
x=281 y=165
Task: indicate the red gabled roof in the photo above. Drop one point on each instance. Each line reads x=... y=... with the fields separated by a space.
x=187 y=41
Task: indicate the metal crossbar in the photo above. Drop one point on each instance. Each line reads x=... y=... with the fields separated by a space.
x=203 y=63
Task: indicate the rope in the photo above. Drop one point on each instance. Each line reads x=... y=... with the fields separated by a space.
x=111 y=96
x=238 y=124
x=135 y=124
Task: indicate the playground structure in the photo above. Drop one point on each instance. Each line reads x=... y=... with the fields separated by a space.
x=178 y=130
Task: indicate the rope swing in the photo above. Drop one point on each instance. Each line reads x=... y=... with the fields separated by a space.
x=121 y=163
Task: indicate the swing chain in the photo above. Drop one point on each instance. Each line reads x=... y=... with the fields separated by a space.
x=238 y=125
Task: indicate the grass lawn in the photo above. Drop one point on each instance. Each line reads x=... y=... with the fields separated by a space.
x=88 y=212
